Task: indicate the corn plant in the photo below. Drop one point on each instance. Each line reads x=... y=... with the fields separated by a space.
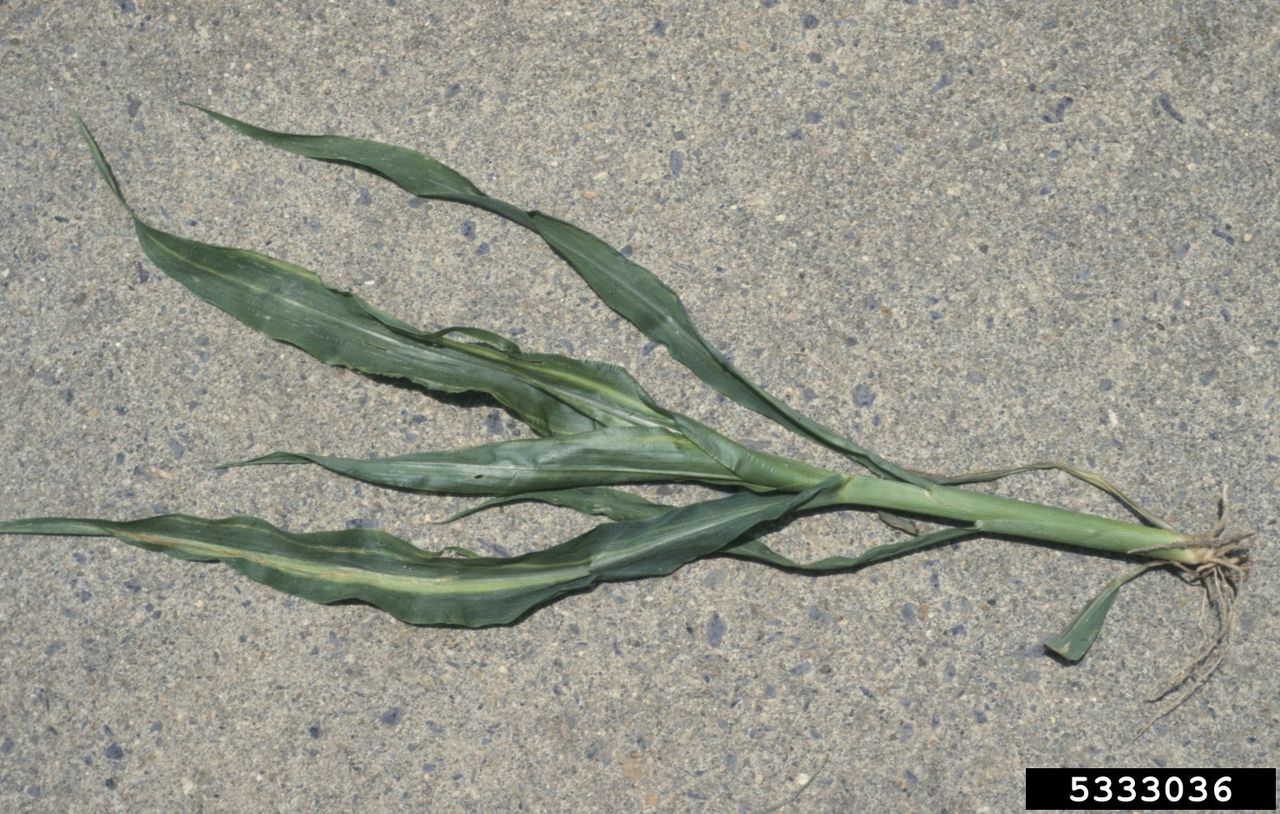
x=596 y=428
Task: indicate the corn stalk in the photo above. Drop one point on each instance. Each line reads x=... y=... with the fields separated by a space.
x=596 y=428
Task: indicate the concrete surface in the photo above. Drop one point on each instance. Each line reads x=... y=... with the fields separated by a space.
x=970 y=233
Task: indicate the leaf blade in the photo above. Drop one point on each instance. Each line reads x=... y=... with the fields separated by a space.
x=628 y=288
x=425 y=588
x=614 y=504
x=553 y=394
x=757 y=551
x=1092 y=478
x=1075 y=640
x=613 y=455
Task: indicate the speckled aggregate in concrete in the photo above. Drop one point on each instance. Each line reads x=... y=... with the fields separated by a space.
x=968 y=233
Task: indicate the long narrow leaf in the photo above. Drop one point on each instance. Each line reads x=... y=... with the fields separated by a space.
x=757 y=551
x=631 y=290
x=619 y=505
x=1075 y=641
x=553 y=394
x=1092 y=478
x=609 y=456
x=423 y=587
x=614 y=504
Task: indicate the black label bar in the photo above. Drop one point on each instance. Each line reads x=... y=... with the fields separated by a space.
x=1144 y=789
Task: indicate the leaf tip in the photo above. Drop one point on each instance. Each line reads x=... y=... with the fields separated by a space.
x=196 y=105
x=222 y=118
x=1064 y=648
x=270 y=458
x=100 y=162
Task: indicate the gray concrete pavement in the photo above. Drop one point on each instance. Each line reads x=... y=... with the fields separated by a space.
x=969 y=234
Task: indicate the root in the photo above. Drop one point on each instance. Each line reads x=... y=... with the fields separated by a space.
x=1222 y=574
x=1218 y=621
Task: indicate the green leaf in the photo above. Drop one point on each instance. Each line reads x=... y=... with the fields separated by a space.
x=609 y=456
x=750 y=465
x=422 y=587
x=1092 y=478
x=631 y=290
x=553 y=394
x=899 y=522
x=614 y=504
x=1079 y=636
x=757 y=551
